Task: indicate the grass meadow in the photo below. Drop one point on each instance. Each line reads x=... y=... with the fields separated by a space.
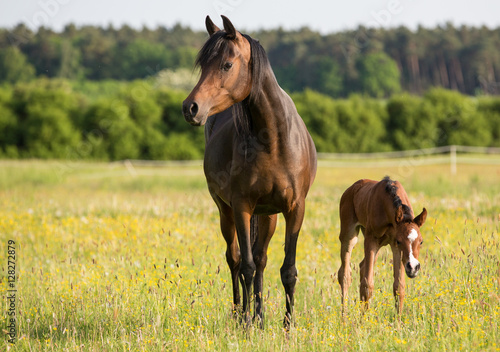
x=116 y=258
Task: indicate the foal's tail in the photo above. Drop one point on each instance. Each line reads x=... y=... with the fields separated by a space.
x=253 y=229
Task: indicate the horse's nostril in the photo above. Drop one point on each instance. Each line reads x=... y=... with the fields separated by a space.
x=410 y=269
x=189 y=109
x=193 y=109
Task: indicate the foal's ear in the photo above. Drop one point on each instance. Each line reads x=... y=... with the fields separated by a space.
x=229 y=28
x=420 y=219
x=400 y=215
x=211 y=27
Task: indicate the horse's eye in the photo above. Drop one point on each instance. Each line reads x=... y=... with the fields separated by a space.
x=421 y=242
x=398 y=242
x=227 y=66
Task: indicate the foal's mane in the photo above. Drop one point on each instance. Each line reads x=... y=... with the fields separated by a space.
x=217 y=47
x=392 y=190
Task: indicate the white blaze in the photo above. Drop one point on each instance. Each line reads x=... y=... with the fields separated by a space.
x=413 y=261
x=412 y=236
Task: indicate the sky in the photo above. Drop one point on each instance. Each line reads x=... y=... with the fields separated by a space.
x=250 y=15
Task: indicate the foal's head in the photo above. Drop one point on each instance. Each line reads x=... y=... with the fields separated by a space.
x=226 y=73
x=408 y=239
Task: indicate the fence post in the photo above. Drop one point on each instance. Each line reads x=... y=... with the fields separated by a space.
x=130 y=167
x=453 y=159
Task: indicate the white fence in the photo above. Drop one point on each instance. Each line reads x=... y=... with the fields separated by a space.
x=451 y=154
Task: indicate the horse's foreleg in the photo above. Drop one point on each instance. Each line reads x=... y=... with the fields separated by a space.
x=398 y=287
x=348 y=239
x=232 y=252
x=247 y=266
x=288 y=269
x=266 y=226
x=366 y=269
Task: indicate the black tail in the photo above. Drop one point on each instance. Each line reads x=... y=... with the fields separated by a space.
x=253 y=229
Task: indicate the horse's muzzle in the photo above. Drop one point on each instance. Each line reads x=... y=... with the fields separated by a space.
x=412 y=270
x=190 y=110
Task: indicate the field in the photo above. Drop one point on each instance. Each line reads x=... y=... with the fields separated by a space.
x=112 y=257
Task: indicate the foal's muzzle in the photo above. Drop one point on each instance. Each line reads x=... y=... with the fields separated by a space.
x=412 y=270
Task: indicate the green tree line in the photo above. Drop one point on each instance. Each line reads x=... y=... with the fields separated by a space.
x=54 y=118
x=369 y=61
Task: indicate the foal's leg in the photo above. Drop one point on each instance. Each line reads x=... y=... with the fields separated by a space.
x=366 y=268
x=266 y=226
x=232 y=252
x=242 y=216
x=348 y=239
x=398 y=287
x=288 y=270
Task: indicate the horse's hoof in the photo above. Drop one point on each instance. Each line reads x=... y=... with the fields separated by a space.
x=287 y=321
x=236 y=313
x=259 y=320
x=246 y=320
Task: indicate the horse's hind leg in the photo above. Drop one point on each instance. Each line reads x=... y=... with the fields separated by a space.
x=232 y=252
x=266 y=226
x=348 y=239
x=349 y=229
x=288 y=270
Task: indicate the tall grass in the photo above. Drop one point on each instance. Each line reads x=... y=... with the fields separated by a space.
x=111 y=260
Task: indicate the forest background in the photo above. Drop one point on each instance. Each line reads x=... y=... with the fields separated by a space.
x=116 y=93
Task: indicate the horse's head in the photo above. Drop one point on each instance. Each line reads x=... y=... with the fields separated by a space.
x=409 y=240
x=226 y=76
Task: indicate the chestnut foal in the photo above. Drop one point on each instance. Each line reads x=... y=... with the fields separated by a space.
x=383 y=212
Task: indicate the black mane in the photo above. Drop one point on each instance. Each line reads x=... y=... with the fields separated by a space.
x=392 y=190
x=217 y=46
x=260 y=66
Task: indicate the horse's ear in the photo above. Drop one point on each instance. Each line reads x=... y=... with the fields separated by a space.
x=211 y=27
x=400 y=215
x=420 y=219
x=229 y=28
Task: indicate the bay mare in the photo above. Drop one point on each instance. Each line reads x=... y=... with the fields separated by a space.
x=259 y=158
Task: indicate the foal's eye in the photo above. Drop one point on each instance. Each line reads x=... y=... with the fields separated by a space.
x=398 y=242
x=421 y=242
x=227 y=66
